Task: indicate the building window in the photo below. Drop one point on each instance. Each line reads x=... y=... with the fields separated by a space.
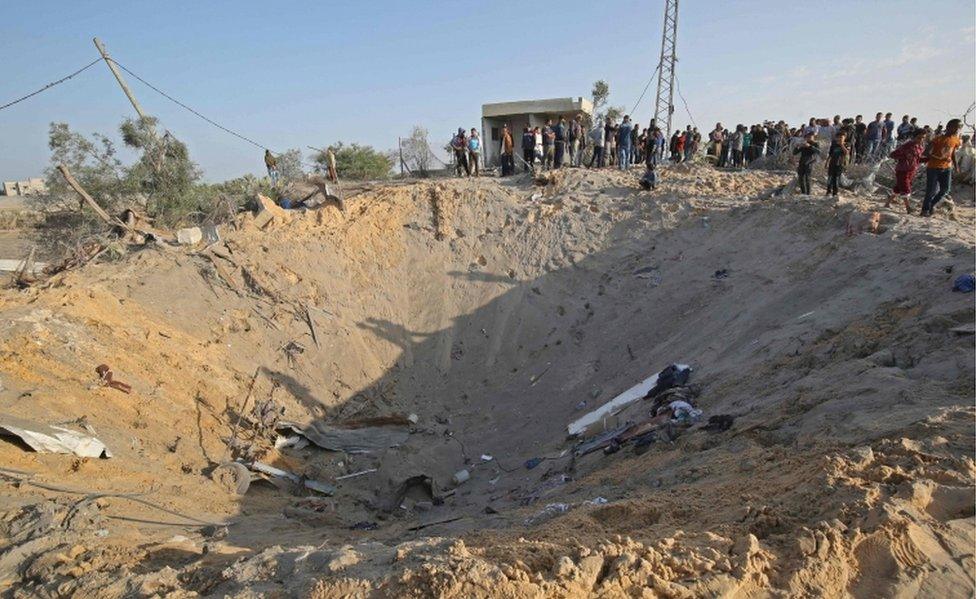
x=495 y=134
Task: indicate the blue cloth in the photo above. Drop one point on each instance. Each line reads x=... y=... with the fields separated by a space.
x=474 y=144
x=964 y=283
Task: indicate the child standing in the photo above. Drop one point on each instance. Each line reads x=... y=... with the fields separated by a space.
x=836 y=161
x=907 y=156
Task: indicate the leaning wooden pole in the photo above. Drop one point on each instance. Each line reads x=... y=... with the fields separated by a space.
x=118 y=77
x=90 y=200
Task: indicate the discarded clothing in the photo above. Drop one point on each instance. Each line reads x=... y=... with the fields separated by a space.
x=683 y=412
x=672 y=376
x=964 y=284
x=45 y=438
x=719 y=423
x=643 y=389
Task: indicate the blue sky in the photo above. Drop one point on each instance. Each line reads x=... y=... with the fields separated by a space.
x=293 y=74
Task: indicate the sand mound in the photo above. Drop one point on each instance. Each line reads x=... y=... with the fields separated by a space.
x=498 y=311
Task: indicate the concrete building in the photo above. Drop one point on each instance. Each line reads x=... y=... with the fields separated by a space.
x=32 y=186
x=519 y=115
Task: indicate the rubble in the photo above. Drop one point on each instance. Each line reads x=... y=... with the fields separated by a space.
x=46 y=438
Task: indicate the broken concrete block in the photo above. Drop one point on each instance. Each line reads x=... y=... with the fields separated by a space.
x=189 y=236
x=269 y=212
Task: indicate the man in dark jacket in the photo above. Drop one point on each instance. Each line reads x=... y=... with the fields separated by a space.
x=576 y=141
x=809 y=150
x=562 y=136
x=528 y=148
x=837 y=158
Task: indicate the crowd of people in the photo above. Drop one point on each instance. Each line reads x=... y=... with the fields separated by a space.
x=836 y=142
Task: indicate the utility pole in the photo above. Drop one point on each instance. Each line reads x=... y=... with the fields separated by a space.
x=118 y=77
x=664 y=106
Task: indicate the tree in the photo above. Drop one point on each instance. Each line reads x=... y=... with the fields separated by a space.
x=356 y=161
x=164 y=172
x=93 y=163
x=614 y=112
x=416 y=151
x=290 y=166
x=600 y=93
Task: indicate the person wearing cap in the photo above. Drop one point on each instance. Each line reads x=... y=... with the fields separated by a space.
x=459 y=144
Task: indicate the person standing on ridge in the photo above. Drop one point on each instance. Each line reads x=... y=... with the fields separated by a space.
x=597 y=137
x=860 y=138
x=561 y=134
x=808 y=151
x=548 y=139
x=907 y=158
x=528 y=148
x=887 y=136
x=508 y=152
x=331 y=161
x=624 y=147
x=904 y=131
x=474 y=151
x=459 y=146
x=837 y=158
x=271 y=163
x=874 y=134
x=941 y=163
x=576 y=141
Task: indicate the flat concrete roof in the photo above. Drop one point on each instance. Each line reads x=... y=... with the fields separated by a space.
x=551 y=105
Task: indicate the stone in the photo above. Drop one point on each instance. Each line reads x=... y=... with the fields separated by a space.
x=563 y=568
x=269 y=212
x=189 y=236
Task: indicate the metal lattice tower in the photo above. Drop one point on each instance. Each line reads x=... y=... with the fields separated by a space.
x=664 y=107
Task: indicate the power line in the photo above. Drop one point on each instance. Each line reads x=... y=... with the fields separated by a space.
x=685 y=102
x=211 y=121
x=184 y=106
x=649 y=81
x=50 y=85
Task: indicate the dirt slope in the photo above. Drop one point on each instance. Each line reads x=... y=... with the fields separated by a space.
x=491 y=310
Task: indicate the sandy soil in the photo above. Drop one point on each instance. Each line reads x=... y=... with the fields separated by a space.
x=492 y=310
